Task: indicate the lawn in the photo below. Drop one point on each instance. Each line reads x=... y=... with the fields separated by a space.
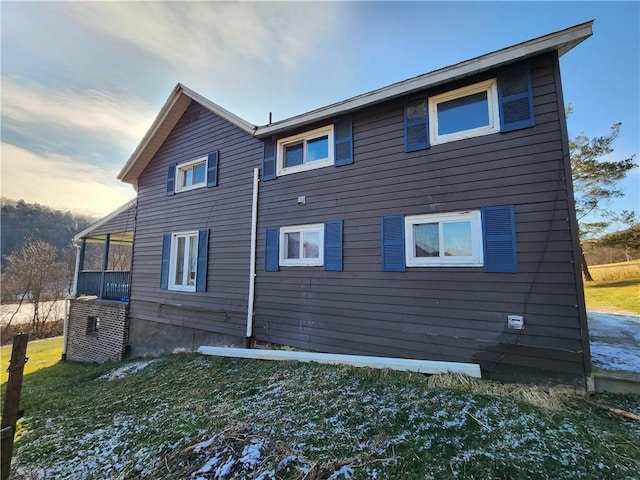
x=615 y=289
x=617 y=296
x=41 y=354
x=187 y=416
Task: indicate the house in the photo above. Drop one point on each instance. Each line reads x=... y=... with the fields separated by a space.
x=430 y=219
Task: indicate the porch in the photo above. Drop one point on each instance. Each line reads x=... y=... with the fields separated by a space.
x=103 y=260
x=104 y=266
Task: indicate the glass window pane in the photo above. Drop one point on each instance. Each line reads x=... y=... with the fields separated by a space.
x=293 y=245
x=463 y=113
x=179 y=262
x=318 y=149
x=311 y=247
x=187 y=177
x=199 y=173
x=457 y=239
x=193 y=260
x=293 y=155
x=427 y=241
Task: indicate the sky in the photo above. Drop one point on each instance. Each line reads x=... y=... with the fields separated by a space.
x=83 y=81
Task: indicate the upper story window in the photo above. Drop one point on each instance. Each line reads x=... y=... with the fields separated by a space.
x=302 y=245
x=465 y=112
x=306 y=151
x=453 y=239
x=201 y=172
x=191 y=174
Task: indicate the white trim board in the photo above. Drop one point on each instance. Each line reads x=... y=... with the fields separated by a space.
x=400 y=364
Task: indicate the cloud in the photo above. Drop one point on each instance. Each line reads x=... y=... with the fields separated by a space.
x=122 y=118
x=207 y=38
x=60 y=182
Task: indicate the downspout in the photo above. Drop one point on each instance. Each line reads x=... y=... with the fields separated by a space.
x=74 y=290
x=252 y=264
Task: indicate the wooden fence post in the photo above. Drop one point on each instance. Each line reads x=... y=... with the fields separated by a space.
x=12 y=400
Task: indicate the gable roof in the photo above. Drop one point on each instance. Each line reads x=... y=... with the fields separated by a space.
x=561 y=42
x=164 y=123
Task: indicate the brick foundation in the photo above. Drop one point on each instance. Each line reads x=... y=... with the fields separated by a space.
x=97 y=330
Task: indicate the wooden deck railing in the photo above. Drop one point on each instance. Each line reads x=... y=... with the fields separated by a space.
x=105 y=285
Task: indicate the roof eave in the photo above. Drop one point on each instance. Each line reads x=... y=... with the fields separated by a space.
x=95 y=225
x=169 y=115
x=561 y=41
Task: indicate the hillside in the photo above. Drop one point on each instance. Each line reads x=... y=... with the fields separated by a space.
x=22 y=221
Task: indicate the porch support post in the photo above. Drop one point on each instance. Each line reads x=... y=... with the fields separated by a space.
x=105 y=264
x=83 y=247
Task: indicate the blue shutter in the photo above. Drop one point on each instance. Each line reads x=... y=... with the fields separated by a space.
x=269 y=160
x=343 y=139
x=171 y=180
x=203 y=255
x=333 y=245
x=166 y=255
x=393 y=243
x=271 y=249
x=416 y=125
x=515 y=97
x=212 y=169
x=499 y=236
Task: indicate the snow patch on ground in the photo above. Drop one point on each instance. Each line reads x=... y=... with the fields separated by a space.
x=126 y=370
x=615 y=341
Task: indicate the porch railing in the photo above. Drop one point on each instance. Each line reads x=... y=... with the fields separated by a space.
x=105 y=285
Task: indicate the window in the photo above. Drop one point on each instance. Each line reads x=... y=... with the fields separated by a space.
x=184 y=261
x=191 y=175
x=466 y=112
x=444 y=239
x=306 y=151
x=302 y=245
x=93 y=324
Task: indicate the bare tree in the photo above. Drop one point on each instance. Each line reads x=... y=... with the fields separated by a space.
x=38 y=278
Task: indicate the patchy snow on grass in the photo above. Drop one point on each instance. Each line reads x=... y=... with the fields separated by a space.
x=615 y=341
x=126 y=370
x=216 y=420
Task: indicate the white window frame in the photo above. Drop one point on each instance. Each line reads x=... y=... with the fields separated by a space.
x=301 y=262
x=475 y=260
x=489 y=86
x=305 y=137
x=180 y=172
x=173 y=259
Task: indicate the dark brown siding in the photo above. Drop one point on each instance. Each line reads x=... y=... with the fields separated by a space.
x=453 y=314
x=225 y=210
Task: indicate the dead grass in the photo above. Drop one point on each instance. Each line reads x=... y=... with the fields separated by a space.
x=615 y=271
x=554 y=399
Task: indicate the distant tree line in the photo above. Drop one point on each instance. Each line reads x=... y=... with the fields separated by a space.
x=38 y=258
x=24 y=222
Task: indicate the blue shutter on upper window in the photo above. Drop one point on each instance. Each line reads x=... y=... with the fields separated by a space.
x=212 y=169
x=203 y=255
x=343 y=139
x=515 y=97
x=164 y=266
x=392 y=232
x=271 y=249
x=499 y=235
x=171 y=180
x=416 y=125
x=269 y=160
x=333 y=245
